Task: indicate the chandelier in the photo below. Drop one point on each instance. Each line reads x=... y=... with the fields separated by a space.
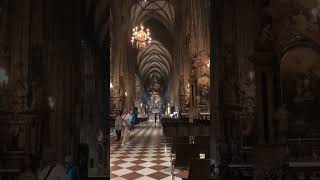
x=140 y=39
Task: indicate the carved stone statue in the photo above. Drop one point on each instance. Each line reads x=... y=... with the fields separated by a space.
x=36 y=96
x=20 y=97
x=304 y=91
x=193 y=73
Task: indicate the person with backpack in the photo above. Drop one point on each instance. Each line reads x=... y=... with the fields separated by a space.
x=132 y=119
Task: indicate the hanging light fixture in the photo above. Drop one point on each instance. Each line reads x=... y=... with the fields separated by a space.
x=140 y=38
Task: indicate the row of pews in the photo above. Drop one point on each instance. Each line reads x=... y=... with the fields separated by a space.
x=183 y=128
x=189 y=140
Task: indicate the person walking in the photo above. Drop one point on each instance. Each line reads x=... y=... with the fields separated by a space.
x=132 y=119
x=118 y=125
x=155 y=120
x=126 y=125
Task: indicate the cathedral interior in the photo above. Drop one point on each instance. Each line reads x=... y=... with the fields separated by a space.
x=218 y=89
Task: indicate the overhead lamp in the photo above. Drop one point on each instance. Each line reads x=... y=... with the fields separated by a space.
x=140 y=38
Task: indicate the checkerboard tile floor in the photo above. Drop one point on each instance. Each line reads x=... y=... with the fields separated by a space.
x=145 y=158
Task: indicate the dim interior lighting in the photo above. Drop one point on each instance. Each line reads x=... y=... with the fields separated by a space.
x=202 y=156
x=188 y=85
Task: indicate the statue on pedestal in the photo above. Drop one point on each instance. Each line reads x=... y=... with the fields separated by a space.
x=20 y=98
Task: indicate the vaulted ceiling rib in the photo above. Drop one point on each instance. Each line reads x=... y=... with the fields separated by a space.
x=155 y=8
x=154 y=62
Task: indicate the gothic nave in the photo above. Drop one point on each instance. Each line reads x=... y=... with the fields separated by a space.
x=200 y=89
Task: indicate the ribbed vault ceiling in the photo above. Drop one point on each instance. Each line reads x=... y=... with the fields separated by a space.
x=154 y=62
x=162 y=10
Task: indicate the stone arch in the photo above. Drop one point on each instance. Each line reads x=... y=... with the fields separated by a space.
x=298 y=42
x=299 y=68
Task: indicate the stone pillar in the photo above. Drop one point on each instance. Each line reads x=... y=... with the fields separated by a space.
x=267 y=144
x=265 y=93
x=193 y=91
x=216 y=71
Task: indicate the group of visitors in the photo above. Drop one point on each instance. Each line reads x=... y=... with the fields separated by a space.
x=50 y=170
x=125 y=122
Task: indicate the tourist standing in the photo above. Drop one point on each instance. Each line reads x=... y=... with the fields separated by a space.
x=118 y=125
x=126 y=125
x=132 y=119
x=155 y=119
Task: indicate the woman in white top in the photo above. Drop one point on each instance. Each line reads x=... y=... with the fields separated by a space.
x=118 y=125
x=126 y=125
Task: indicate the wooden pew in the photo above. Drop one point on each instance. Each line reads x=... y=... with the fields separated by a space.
x=203 y=143
x=184 y=154
x=199 y=169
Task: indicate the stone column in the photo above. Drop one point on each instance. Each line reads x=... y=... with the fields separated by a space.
x=265 y=93
x=216 y=80
x=193 y=91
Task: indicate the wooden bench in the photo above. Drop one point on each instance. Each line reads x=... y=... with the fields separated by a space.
x=199 y=169
x=184 y=154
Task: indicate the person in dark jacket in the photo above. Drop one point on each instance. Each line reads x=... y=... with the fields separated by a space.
x=155 y=119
